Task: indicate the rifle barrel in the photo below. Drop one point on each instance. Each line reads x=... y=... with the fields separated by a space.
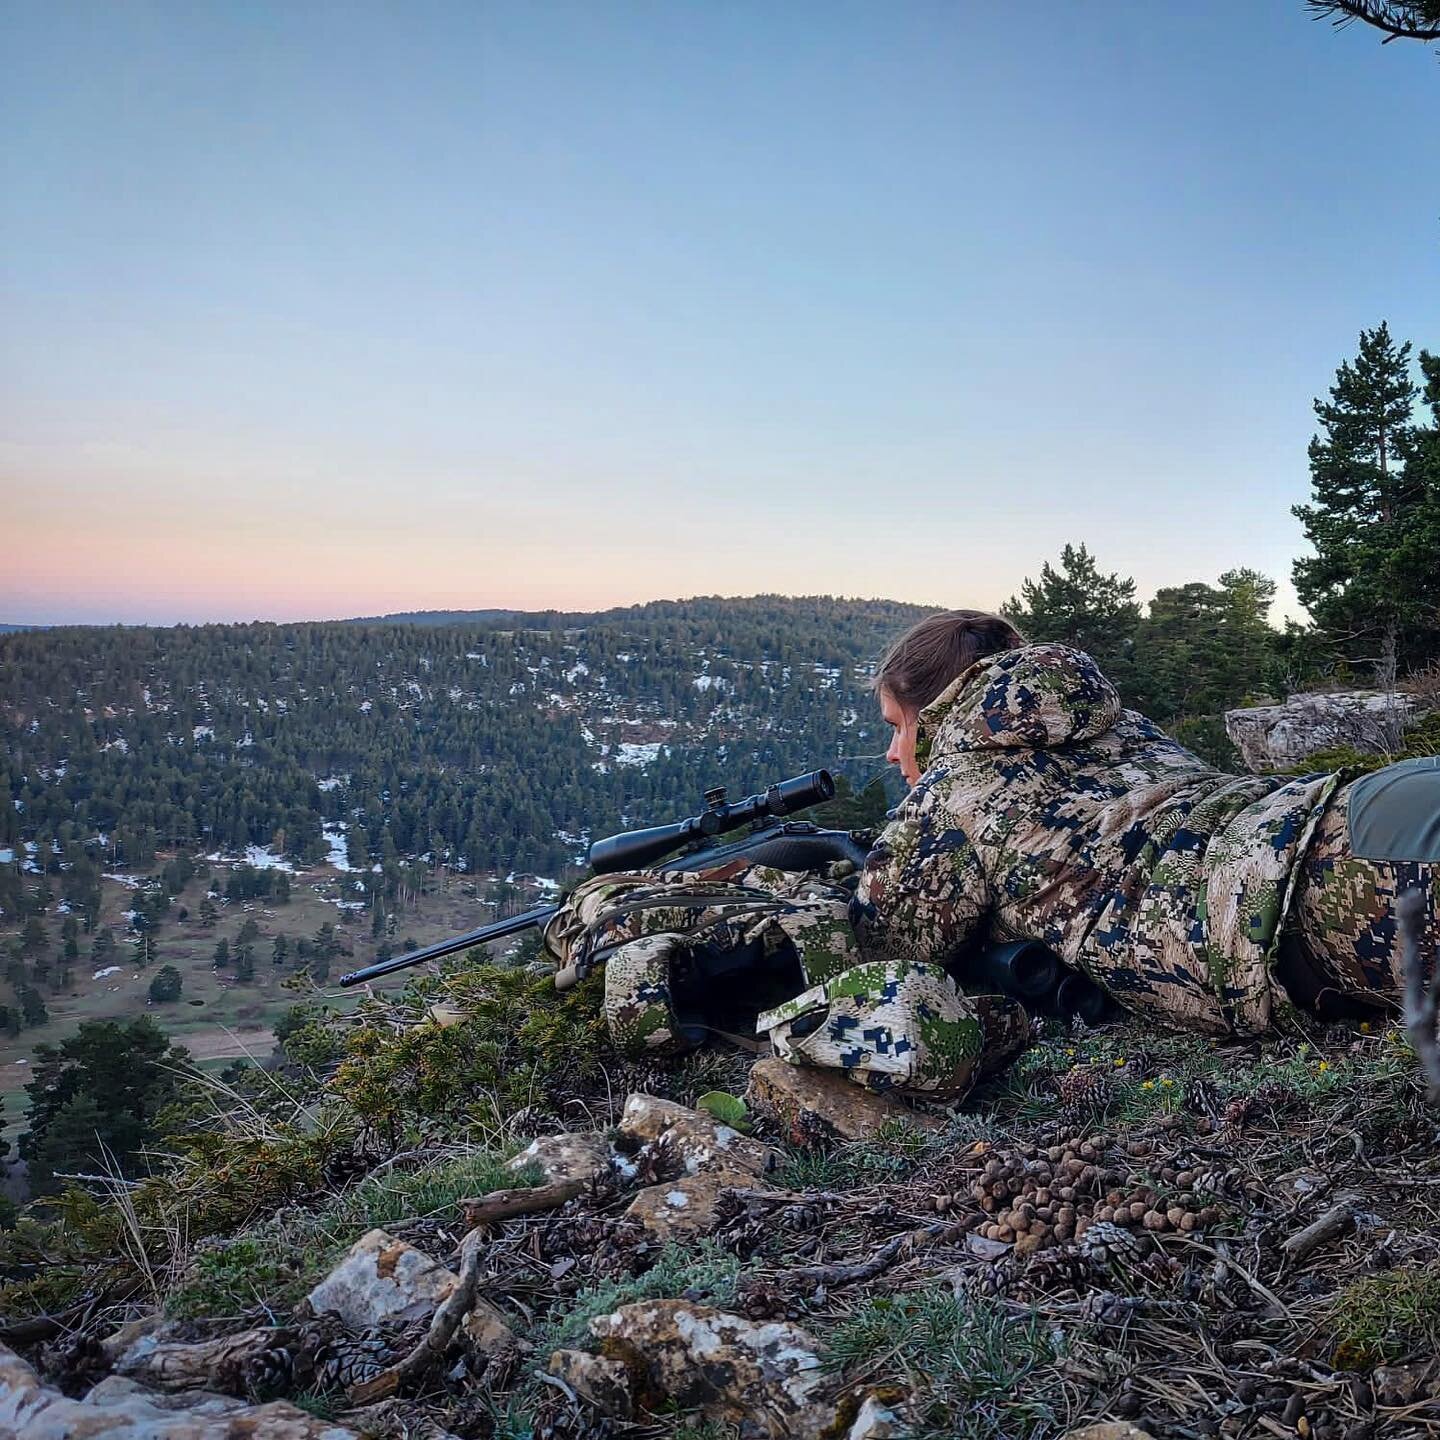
x=495 y=930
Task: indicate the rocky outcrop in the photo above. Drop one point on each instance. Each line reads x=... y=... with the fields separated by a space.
x=698 y=1157
x=578 y=1156
x=385 y=1281
x=815 y=1104
x=120 y=1409
x=671 y=1352
x=382 y=1281
x=688 y=1142
x=1277 y=737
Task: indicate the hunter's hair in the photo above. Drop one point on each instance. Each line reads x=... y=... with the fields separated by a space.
x=929 y=655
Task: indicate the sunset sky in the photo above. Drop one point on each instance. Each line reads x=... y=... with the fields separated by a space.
x=315 y=310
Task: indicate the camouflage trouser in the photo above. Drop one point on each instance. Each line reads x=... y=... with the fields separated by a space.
x=1343 y=915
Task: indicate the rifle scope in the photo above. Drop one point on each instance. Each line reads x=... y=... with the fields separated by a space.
x=637 y=849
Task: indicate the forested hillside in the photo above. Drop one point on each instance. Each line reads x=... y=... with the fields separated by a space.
x=498 y=745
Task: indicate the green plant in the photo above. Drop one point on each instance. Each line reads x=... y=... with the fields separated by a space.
x=975 y=1370
x=728 y=1109
x=1386 y=1318
x=707 y=1269
x=277 y=1261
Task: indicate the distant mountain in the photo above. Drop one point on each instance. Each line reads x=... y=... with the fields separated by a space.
x=14 y=629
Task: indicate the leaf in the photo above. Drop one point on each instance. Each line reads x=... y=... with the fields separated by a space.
x=728 y=1109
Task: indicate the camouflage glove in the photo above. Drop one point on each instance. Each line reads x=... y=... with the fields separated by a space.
x=899 y=1025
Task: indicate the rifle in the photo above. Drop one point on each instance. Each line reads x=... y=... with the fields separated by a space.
x=1024 y=969
x=773 y=840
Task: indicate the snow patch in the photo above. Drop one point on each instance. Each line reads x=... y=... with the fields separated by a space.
x=629 y=753
x=108 y=970
x=337 y=836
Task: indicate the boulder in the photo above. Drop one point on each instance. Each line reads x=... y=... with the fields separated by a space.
x=687 y=1142
x=769 y=1376
x=383 y=1281
x=603 y=1383
x=1277 y=737
x=120 y=1409
x=806 y=1101
x=1109 y=1430
x=684 y=1208
x=566 y=1157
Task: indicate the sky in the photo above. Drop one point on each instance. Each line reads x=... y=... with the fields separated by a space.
x=316 y=310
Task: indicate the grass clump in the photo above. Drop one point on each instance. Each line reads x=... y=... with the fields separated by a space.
x=706 y=1270
x=272 y=1265
x=895 y=1151
x=1382 y=1319
x=974 y=1370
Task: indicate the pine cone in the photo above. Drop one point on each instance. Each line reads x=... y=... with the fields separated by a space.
x=1083 y=1083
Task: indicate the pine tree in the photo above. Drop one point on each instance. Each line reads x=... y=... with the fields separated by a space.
x=222 y=953
x=165 y=988
x=1373 y=585
x=1078 y=605
x=32 y=1006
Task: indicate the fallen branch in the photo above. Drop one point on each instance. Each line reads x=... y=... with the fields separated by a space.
x=443 y=1325
x=834 y=1275
x=506 y=1204
x=1422 y=1000
x=1332 y=1224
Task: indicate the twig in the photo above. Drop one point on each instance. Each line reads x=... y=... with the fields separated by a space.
x=505 y=1204
x=1334 y=1222
x=1241 y=1271
x=789 y=1197
x=443 y=1324
x=832 y=1276
x=1422 y=1001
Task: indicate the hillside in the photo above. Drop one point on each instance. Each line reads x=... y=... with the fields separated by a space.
x=410 y=780
x=204 y=824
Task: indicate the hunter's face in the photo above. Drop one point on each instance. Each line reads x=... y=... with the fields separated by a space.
x=903 y=722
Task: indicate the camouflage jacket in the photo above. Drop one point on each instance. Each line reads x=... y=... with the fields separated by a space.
x=1047 y=811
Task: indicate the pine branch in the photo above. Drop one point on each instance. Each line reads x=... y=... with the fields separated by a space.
x=1398 y=21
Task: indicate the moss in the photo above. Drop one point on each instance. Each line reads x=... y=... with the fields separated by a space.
x=1386 y=1318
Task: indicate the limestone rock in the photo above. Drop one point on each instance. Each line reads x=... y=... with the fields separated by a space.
x=727 y=1367
x=119 y=1391
x=566 y=1157
x=875 y=1420
x=1276 y=737
x=687 y=1142
x=684 y=1208
x=603 y=1383
x=486 y=1328
x=383 y=1281
x=804 y=1099
x=118 y=1409
x=1109 y=1430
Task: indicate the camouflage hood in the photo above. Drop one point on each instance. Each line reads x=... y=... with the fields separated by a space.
x=1034 y=698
